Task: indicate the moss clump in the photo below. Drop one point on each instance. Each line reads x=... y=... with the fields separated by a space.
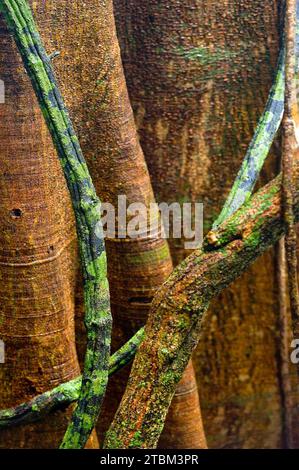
x=136 y=441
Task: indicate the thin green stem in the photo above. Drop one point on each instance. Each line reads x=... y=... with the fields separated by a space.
x=259 y=147
x=66 y=393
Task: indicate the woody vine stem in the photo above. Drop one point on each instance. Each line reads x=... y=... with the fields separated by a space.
x=238 y=237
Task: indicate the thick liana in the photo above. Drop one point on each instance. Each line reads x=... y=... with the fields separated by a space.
x=175 y=321
x=88 y=220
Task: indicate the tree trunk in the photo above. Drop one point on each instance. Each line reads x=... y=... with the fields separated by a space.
x=181 y=430
x=38 y=256
x=96 y=94
x=198 y=74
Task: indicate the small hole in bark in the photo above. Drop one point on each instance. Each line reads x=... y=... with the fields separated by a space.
x=51 y=249
x=16 y=213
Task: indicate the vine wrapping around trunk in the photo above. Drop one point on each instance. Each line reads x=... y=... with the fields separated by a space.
x=263 y=210
x=90 y=201
x=87 y=212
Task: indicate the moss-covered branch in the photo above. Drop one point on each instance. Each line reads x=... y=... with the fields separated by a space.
x=174 y=325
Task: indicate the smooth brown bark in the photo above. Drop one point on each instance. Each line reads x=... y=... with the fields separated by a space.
x=193 y=70
x=38 y=258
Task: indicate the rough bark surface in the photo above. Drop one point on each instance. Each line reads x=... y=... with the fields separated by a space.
x=95 y=91
x=198 y=74
x=178 y=310
x=182 y=429
x=38 y=256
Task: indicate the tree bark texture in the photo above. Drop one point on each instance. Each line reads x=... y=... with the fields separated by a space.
x=178 y=310
x=91 y=76
x=198 y=74
x=38 y=258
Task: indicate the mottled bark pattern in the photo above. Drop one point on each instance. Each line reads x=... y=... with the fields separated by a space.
x=96 y=94
x=174 y=325
x=182 y=429
x=37 y=258
x=198 y=74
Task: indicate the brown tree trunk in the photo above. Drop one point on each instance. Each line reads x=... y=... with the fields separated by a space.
x=90 y=72
x=181 y=430
x=38 y=256
x=198 y=74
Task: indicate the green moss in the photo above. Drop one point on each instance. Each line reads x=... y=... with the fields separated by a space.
x=207 y=57
x=159 y=253
x=136 y=441
x=113 y=440
x=169 y=378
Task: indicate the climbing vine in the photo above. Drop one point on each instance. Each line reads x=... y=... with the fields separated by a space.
x=89 y=390
x=88 y=220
